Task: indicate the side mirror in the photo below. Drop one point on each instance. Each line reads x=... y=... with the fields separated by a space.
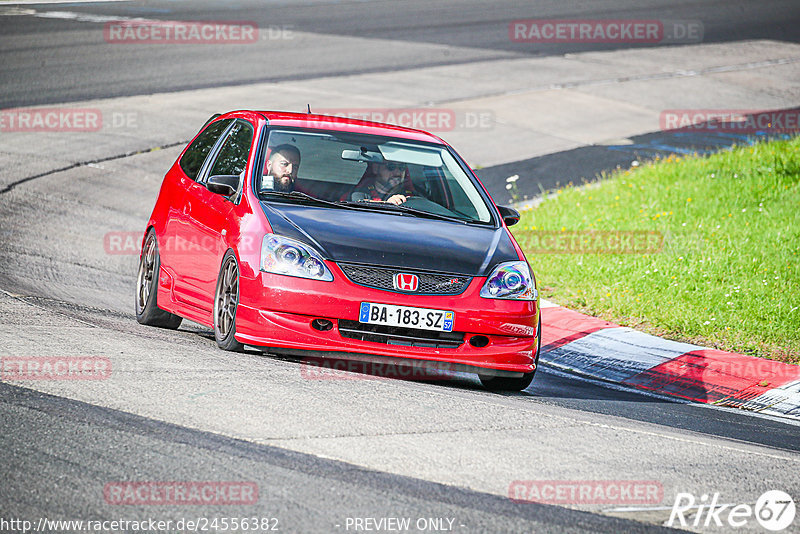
x=510 y=215
x=223 y=184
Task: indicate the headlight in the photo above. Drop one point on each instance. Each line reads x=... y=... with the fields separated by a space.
x=511 y=280
x=281 y=255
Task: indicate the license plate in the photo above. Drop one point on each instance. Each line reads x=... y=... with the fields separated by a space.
x=406 y=316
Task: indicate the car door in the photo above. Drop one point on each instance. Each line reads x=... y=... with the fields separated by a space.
x=209 y=215
x=180 y=242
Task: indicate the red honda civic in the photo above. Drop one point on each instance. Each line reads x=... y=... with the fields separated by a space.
x=320 y=236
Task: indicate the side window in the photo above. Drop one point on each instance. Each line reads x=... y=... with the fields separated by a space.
x=196 y=154
x=233 y=155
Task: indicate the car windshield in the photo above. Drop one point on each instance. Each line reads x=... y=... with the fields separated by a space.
x=369 y=172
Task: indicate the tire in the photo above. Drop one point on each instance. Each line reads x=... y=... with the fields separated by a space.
x=504 y=383
x=147 y=310
x=226 y=301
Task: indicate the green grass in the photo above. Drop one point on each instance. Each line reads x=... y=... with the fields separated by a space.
x=728 y=274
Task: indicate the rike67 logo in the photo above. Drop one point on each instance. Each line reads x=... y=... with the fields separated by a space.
x=774 y=510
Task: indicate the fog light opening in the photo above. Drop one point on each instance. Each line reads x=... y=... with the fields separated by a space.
x=323 y=325
x=479 y=341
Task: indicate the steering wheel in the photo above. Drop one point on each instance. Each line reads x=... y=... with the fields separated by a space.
x=421 y=203
x=399 y=189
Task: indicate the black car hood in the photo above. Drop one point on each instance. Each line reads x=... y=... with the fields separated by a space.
x=393 y=240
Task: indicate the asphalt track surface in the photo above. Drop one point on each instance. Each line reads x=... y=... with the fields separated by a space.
x=305 y=493
x=53 y=60
x=58 y=451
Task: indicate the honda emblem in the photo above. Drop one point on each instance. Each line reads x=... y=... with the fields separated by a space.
x=406 y=282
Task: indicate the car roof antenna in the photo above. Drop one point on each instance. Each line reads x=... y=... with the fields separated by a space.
x=309 y=108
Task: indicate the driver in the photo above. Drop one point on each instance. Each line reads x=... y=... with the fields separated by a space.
x=388 y=182
x=282 y=166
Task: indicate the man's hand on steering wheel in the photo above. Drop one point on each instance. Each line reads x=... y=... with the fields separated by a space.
x=395 y=195
x=396 y=199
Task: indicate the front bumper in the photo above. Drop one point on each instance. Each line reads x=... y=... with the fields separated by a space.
x=277 y=311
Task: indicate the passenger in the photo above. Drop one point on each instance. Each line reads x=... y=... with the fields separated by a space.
x=388 y=182
x=282 y=166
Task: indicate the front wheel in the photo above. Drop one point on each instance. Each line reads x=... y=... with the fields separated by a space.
x=147 y=310
x=504 y=383
x=226 y=301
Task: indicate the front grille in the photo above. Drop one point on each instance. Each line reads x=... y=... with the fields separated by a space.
x=395 y=335
x=383 y=278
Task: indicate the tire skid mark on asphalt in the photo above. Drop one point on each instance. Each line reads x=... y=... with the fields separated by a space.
x=28 y=301
x=76 y=165
x=575 y=418
x=107 y=319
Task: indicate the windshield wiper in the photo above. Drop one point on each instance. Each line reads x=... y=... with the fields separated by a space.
x=430 y=215
x=369 y=205
x=388 y=206
x=302 y=197
x=373 y=206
